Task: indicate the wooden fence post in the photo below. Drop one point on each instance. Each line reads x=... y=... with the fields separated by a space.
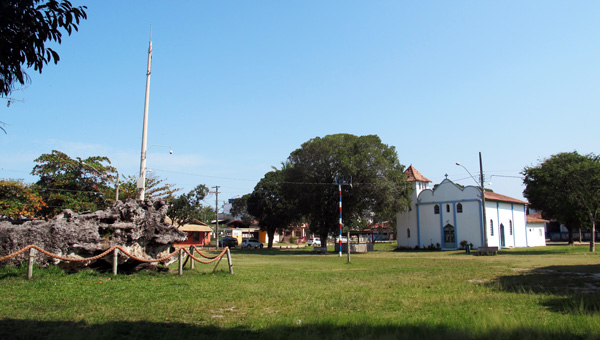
x=192 y=260
x=230 y=261
x=180 y=261
x=115 y=260
x=348 y=244
x=30 y=263
x=216 y=265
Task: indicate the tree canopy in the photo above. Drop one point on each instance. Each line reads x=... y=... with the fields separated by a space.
x=566 y=187
x=270 y=206
x=188 y=207
x=76 y=184
x=25 y=27
x=18 y=200
x=155 y=187
x=379 y=188
x=239 y=208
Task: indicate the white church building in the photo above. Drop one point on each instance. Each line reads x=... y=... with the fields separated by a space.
x=449 y=214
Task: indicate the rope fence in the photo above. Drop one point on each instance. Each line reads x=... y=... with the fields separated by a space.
x=115 y=250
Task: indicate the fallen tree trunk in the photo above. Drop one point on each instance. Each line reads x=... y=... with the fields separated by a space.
x=137 y=226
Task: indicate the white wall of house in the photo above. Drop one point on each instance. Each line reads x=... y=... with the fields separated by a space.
x=536 y=234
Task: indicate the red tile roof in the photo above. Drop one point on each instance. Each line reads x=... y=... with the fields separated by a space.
x=536 y=218
x=413 y=175
x=492 y=196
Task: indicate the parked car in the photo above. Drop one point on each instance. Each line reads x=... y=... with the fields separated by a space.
x=228 y=241
x=251 y=243
x=314 y=242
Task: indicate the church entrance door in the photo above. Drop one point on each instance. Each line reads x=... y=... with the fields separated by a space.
x=449 y=237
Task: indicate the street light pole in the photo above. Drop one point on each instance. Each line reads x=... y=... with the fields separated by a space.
x=142 y=179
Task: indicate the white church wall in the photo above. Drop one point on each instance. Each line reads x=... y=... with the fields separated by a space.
x=406 y=229
x=520 y=226
x=429 y=224
x=468 y=223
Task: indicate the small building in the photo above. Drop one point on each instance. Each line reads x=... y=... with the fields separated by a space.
x=360 y=242
x=198 y=234
x=382 y=231
x=536 y=229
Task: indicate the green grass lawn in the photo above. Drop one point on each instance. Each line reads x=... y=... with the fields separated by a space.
x=535 y=293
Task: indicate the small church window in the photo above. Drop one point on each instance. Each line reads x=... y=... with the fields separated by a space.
x=492 y=227
x=447 y=207
x=408 y=233
x=510 y=227
x=436 y=209
x=459 y=208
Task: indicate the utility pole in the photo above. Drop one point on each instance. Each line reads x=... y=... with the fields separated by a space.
x=481 y=180
x=217 y=214
x=485 y=240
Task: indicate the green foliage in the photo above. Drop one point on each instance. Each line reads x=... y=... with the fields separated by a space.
x=566 y=187
x=269 y=204
x=188 y=207
x=18 y=200
x=155 y=188
x=25 y=27
x=239 y=208
x=379 y=185
x=76 y=184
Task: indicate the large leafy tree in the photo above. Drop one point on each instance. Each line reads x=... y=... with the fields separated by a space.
x=188 y=207
x=156 y=187
x=18 y=199
x=239 y=208
x=378 y=188
x=566 y=187
x=76 y=184
x=25 y=28
x=269 y=204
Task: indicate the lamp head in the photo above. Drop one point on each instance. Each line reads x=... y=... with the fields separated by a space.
x=457 y=163
x=171 y=151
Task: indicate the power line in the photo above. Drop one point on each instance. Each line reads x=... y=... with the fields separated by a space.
x=200 y=175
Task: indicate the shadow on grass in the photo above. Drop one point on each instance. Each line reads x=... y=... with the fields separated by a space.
x=29 y=329
x=574 y=289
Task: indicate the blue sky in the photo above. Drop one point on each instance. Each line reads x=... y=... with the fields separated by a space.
x=236 y=86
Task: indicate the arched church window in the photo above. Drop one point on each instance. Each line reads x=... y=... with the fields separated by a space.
x=459 y=208
x=436 y=209
x=408 y=233
x=510 y=227
x=447 y=207
x=492 y=227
